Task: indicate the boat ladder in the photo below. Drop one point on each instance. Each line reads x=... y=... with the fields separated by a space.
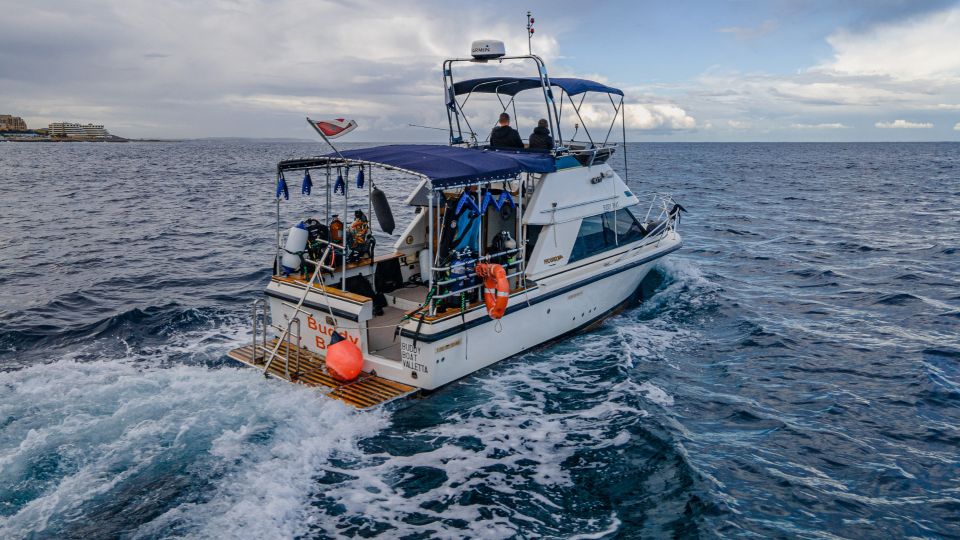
x=294 y=321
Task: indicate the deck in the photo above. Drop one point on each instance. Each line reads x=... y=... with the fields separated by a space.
x=366 y=392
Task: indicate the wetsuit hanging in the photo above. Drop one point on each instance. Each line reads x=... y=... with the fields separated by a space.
x=466 y=200
x=467 y=236
x=307 y=183
x=340 y=186
x=504 y=198
x=360 y=178
x=282 y=188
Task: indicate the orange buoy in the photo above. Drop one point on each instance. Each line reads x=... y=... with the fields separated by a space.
x=344 y=359
x=496 y=289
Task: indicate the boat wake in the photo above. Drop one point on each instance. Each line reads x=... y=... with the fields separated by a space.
x=113 y=448
x=151 y=441
x=518 y=448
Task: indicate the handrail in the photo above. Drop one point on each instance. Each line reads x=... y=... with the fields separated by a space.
x=456 y=279
x=286 y=358
x=297 y=310
x=469 y=288
x=486 y=257
x=262 y=304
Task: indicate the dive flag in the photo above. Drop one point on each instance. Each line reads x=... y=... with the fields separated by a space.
x=332 y=129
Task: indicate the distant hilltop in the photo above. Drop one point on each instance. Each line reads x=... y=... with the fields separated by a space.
x=14 y=128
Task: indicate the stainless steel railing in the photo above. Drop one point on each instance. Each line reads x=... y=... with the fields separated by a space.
x=297 y=310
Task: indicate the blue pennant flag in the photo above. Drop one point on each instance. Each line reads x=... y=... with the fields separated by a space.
x=282 y=188
x=307 y=183
x=340 y=186
x=360 y=178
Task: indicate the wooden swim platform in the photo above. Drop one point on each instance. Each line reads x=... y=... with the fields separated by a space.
x=366 y=392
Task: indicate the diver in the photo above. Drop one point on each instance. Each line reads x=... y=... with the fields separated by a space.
x=540 y=138
x=504 y=136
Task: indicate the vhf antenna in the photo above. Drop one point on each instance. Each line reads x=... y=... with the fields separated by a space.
x=529 y=33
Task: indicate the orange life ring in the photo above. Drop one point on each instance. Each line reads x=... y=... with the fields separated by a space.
x=496 y=289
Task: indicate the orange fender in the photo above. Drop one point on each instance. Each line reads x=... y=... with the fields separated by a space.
x=344 y=359
x=496 y=289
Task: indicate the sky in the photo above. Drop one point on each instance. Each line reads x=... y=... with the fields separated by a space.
x=775 y=70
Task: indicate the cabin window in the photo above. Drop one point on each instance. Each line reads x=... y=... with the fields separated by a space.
x=606 y=231
x=628 y=228
x=596 y=235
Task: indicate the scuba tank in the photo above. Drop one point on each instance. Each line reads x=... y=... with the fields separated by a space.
x=504 y=242
x=296 y=243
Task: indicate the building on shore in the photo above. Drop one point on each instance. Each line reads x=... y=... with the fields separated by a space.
x=91 y=130
x=12 y=123
x=68 y=129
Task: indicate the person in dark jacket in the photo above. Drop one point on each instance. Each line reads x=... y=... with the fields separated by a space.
x=504 y=136
x=540 y=138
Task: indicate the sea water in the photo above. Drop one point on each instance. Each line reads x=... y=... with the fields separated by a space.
x=794 y=370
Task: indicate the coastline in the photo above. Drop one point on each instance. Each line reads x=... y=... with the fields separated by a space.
x=84 y=139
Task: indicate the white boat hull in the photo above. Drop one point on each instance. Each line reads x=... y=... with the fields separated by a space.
x=443 y=351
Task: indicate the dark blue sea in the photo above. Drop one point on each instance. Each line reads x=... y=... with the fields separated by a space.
x=792 y=372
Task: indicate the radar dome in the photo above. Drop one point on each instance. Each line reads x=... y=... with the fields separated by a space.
x=487 y=49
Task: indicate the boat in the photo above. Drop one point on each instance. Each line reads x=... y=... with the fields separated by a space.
x=507 y=249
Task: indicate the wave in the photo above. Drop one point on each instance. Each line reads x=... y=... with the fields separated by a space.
x=153 y=326
x=505 y=454
x=897 y=299
x=512 y=450
x=143 y=440
x=109 y=448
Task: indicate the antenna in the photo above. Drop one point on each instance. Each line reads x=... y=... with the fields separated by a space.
x=530 y=22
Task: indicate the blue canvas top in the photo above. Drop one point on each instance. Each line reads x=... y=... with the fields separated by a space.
x=449 y=165
x=511 y=86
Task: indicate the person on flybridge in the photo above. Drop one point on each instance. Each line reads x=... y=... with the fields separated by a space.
x=504 y=136
x=540 y=138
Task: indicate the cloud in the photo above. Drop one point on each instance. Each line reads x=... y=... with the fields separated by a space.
x=836 y=92
x=639 y=115
x=889 y=68
x=747 y=32
x=246 y=67
x=945 y=107
x=256 y=68
x=831 y=125
x=956 y=126
x=924 y=47
x=658 y=116
x=903 y=124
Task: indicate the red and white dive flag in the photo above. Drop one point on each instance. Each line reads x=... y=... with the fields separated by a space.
x=332 y=129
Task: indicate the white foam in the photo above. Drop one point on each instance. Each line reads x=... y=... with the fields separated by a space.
x=644 y=338
x=656 y=394
x=252 y=450
x=251 y=446
x=516 y=442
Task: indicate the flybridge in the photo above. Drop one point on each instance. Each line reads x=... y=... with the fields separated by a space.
x=506 y=88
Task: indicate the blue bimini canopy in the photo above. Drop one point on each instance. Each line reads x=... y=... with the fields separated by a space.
x=444 y=166
x=511 y=86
